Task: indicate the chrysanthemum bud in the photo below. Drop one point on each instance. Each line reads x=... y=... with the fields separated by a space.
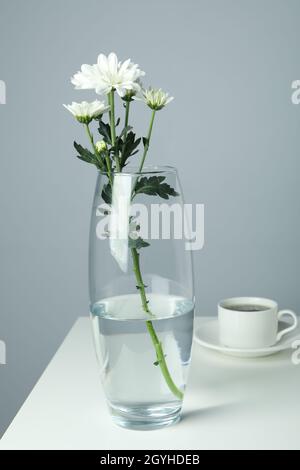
x=156 y=99
x=101 y=146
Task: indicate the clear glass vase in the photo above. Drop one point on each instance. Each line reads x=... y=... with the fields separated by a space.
x=141 y=295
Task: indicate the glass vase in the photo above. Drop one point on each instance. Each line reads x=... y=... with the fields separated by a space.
x=141 y=295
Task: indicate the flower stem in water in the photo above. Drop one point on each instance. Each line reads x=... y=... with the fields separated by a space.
x=160 y=356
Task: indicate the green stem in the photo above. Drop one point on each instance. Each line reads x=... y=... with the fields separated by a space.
x=160 y=356
x=147 y=143
x=113 y=127
x=162 y=361
x=135 y=255
x=127 y=107
x=109 y=171
x=91 y=138
x=139 y=279
x=127 y=114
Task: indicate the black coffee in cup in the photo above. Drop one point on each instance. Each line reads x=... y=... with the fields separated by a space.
x=247 y=308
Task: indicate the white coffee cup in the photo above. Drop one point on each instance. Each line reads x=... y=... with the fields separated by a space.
x=251 y=322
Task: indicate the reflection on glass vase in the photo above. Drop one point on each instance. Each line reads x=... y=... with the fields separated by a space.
x=141 y=295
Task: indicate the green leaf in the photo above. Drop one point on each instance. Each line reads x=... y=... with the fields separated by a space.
x=137 y=243
x=129 y=147
x=154 y=186
x=89 y=157
x=125 y=130
x=104 y=130
x=106 y=193
x=86 y=156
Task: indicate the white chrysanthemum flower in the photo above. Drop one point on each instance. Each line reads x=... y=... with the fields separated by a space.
x=87 y=78
x=156 y=99
x=85 y=112
x=109 y=74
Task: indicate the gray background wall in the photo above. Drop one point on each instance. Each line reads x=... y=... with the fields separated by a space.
x=232 y=132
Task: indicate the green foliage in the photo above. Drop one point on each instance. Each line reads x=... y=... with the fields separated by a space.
x=106 y=193
x=104 y=130
x=88 y=157
x=128 y=145
x=125 y=130
x=137 y=243
x=154 y=186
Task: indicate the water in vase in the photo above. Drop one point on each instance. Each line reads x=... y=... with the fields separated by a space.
x=135 y=385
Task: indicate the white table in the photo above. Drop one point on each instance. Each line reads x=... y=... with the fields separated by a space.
x=230 y=404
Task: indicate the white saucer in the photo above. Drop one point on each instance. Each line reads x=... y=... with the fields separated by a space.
x=207 y=334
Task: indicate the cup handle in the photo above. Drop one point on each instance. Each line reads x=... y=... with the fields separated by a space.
x=289 y=328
